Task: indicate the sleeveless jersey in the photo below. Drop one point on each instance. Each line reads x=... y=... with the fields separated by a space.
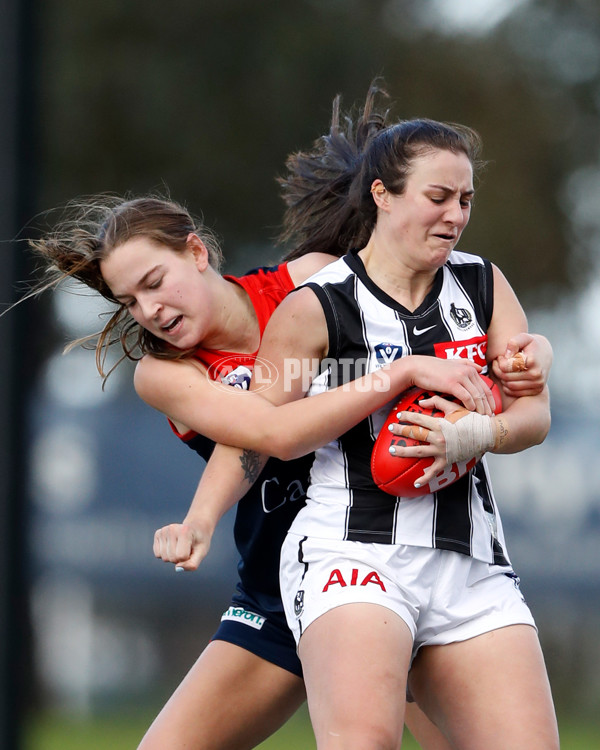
x=265 y=513
x=367 y=329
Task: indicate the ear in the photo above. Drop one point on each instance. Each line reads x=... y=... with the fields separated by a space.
x=381 y=197
x=199 y=251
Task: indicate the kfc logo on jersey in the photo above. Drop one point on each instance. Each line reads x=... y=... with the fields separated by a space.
x=473 y=349
x=336 y=578
x=386 y=353
x=460 y=316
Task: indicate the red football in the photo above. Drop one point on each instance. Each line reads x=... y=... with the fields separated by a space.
x=396 y=474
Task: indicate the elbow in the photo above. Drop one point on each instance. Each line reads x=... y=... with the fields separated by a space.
x=545 y=430
x=284 y=447
x=270 y=442
x=541 y=433
x=285 y=450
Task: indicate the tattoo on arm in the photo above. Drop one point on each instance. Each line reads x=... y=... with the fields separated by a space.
x=250 y=461
x=502 y=435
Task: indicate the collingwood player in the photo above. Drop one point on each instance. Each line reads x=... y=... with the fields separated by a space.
x=386 y=594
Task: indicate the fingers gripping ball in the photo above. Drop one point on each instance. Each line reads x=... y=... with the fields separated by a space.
x=397 y=474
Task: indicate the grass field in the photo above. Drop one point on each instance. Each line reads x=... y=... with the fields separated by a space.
x=123 y=732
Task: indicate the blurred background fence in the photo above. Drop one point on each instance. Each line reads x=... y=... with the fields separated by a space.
x=203 y=101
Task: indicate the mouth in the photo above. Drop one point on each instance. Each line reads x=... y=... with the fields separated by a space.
x=447 y=237
x=172 y=324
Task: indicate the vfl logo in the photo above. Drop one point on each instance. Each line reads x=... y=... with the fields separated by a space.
x=230 y=371
x=460 y=316
x=299 y=603
x=337 y=579
x=386 y=353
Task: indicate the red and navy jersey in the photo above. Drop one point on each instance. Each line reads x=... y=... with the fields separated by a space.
x=265 y=513
x=266 y=287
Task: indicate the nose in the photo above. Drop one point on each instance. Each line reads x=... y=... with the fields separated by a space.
x=454 y=213
x=149 y=307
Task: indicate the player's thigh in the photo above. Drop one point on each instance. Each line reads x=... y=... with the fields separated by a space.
x=424 y=730
x=489 y=691
x=231 y=699
x=355 y=659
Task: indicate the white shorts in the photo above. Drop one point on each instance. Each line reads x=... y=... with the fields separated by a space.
x=442 y=596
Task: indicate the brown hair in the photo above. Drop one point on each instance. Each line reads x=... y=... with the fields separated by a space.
x=327 y=190
x=87 y=232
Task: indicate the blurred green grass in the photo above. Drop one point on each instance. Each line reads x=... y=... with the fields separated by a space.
x=121 y=731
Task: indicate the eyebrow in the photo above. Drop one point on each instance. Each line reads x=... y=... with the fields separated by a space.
x=139 y=283
x=447 y=189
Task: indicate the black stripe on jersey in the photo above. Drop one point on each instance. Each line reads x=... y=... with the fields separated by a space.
x=335 y=316
x=453 y=516
x=371 y=514
x=431 y=323
x=484 y=491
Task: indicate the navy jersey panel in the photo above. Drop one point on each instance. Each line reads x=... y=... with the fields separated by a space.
x=245 y=625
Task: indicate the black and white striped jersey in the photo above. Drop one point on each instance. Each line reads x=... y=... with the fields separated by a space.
x=367 y=329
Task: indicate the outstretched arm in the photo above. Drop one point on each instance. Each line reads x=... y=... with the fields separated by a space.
x=297 y=334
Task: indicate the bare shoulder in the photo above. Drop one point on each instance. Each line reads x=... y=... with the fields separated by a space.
x=298 y=326
x=301 y=268
x=154 y=378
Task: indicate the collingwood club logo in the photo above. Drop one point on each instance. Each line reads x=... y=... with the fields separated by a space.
x=299 y=603
x=460 y=316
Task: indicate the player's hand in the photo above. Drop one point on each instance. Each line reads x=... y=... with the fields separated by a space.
x=456 y=377
x=460 y=435
x=524 y=367
x=183 y=544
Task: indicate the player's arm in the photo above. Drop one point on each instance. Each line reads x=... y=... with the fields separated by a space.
x=272 y=421
x=289 y=345
x=524 y=421
x=295 y=338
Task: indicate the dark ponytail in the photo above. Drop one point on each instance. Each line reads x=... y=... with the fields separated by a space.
x=326 y=209
x=327 y=190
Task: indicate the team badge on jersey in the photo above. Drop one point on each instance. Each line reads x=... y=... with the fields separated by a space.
x=386 y=353
x=299 y=603
x=460 y=316
x=238 y=378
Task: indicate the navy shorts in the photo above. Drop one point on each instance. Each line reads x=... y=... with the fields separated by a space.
x=261 y=630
